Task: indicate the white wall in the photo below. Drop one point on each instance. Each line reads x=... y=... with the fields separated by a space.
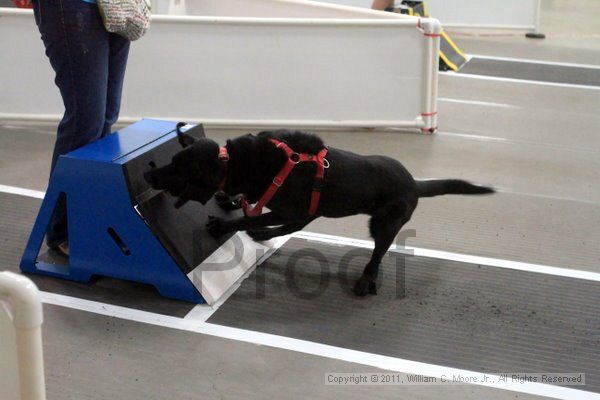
x=496 y=13
x=517 y=14
x=373 y=71
x=325 y=73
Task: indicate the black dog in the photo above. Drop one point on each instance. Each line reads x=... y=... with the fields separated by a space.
x=375 y=185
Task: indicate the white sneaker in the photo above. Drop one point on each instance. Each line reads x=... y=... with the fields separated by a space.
x=64 y=248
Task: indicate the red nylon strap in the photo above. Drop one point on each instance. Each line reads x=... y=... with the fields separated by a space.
x=223 y=159
x=316 y=193
x=293 y=159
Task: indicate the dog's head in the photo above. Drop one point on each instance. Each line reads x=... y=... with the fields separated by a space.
x=193 y=174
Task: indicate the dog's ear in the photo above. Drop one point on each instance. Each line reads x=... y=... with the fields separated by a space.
x=185 y=140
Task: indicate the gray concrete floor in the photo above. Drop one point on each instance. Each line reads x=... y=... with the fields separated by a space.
x=96 y=357
x=542 y=152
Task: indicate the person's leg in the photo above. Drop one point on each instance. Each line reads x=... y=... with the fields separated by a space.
x=382 y=4
x=77 y=46
x=117 y=61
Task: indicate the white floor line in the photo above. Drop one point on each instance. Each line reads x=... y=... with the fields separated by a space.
x=23 y=192
x=344 y=241
x=501 y=140
x=480 y=138
x=513 y=80
x=479 y=103
x=312 y=348
x=529 y=61
x=446 y=255
x=544 y=196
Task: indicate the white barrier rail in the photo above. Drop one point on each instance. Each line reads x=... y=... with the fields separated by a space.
x=300 y=64
x=495 y=14
x=20 y=339
x=262 y=9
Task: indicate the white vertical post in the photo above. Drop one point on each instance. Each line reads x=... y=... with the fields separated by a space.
x=25 y=306
x=536 y=34
x=432 y=30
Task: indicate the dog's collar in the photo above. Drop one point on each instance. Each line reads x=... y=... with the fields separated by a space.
x=223 y=161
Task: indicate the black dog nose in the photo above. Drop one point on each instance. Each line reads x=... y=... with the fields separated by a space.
x=150 y=178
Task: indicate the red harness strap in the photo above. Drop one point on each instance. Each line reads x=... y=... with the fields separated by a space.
x=293 y=159
x=223 y=159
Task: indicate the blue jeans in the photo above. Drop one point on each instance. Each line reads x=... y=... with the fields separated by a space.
x=89 y=63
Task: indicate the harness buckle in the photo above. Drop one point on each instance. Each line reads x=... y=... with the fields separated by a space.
x=223 y=154
x=277 y=181
x=295 y=158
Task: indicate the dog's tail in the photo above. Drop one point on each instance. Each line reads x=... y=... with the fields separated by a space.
x=438 y=187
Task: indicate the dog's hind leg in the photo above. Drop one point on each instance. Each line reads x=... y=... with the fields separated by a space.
x=270 y=233
x=384 y=226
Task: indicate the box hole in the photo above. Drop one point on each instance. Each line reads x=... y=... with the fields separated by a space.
x=119 y=242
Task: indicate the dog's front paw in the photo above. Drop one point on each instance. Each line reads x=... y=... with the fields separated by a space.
x=229 y=204
x=364 y=285
x=215 y=226
x=259 y=235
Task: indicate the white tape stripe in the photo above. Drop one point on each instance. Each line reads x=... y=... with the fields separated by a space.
x=479 y=103
x=513 y=80
x=529 y=61
x=465 y=258
x=312 y=348
x=545 y=196
x=507 y=141
x=22 y=192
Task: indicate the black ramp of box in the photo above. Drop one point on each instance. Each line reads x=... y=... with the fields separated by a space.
x=460 y=315
x=17 y=216
x=181 y=231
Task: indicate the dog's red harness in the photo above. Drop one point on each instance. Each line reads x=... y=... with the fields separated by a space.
x=293 y=159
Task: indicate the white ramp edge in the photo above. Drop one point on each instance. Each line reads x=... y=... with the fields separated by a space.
x=220 y=274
